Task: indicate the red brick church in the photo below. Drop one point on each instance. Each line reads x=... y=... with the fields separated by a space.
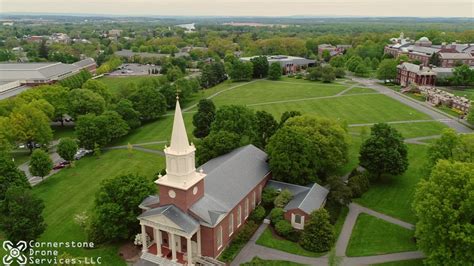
x=198 y=212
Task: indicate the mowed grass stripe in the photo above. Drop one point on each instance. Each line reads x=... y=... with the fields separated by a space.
x=373 y=108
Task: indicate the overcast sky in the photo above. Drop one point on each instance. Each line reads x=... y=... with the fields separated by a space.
x=416 y=8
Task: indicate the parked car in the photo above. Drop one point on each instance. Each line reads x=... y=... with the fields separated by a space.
x=81 y=153
x=61 y=165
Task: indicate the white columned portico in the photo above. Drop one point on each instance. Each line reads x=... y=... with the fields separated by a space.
x=189 y=250
x=199 y=242
x=173 y=247
x=157 y=237
x=144 y=244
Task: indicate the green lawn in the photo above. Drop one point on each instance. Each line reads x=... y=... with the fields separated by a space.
x=267 y=91
x=269 y=240
x=410 y=130
x=21 y=156
x=402 y=263
x=354 y=109
x=62 y=132
x=358 y=90
x=374 y=236
x=393 y=195
x=72 y=191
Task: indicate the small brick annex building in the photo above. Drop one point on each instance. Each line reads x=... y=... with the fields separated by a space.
x=198 y=212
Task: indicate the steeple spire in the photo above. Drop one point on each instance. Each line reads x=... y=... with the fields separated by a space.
x=179 y=138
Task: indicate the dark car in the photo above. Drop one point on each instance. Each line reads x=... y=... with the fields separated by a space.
x=61 y=165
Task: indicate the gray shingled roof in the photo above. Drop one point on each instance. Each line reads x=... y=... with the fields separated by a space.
x=181 y=219
x=304 y=198
x=85 y=62
x=229 y=179
x=416 y=69
x=34 y=71
x=148 y=201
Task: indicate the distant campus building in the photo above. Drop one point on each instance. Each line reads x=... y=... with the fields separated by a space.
x=289 y=64
x=198 y=212
x=333 y=50
x=16 y=75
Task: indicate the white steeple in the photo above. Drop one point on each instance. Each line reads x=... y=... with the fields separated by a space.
x=180 y=159
x=179 y=138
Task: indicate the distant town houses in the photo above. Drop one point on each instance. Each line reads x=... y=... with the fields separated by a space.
x=333 y=50
x=53 y=38
x=423 y=51
x=289 y=64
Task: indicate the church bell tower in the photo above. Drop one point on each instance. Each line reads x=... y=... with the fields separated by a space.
x=182 y=185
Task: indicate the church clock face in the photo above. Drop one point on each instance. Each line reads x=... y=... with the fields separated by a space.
x=195 y=190
x=171 y=193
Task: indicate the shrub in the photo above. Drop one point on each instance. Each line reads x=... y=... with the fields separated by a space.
x=283 y=198
x=258 y=214
x=268 y=197
x=276 y=215
x=239 y=241
x=318 y=234
x=359 y=184
x=284 y=228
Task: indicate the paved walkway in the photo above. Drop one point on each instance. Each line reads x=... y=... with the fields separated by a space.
x=422 y=107
x=251 y=249
x=34 y=180
x=139 y=147
x=313 y=98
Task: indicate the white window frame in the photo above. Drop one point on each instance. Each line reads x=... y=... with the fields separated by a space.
x=239 y=216
x=260 y=194
x=246 y=210
x=254 y=199
x=219 y=237
x=231 y=224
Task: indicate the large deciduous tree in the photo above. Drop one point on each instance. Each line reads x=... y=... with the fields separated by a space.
x=116 y=207
x=67 y=148
x=235 y=118
x=307 y=149
x=318 y=234
x=149 y=102
x=387 y=70
x=216 y=144
x=274 y=73
x=384 y=152
x=125 y=109
x=98 y=87
x=204 y=117
x=10 y=175
x=82 y=101
x=260 y=66
x=241 y=71
x=40 y=163
x=265 y=126
x=443 y=205
x=92 y=130
x=21 y=215
x=29 y=125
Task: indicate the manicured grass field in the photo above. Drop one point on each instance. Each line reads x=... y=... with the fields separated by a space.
x=267 y=91
x=352 y=109
x=21 y=156
x=402 y=263
x=72 y=191
x=155 y=131
x=358 y=90
x=393 y=196
x=374 y=236
x=62 y=132
x=267 y=239
x=410 y=130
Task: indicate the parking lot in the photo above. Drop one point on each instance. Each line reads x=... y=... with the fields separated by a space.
x=134 y=70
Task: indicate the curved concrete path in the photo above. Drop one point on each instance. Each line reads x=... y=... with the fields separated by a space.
x=251 y=249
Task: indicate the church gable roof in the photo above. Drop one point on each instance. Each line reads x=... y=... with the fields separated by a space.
x=229 y=179
x=174 y=217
